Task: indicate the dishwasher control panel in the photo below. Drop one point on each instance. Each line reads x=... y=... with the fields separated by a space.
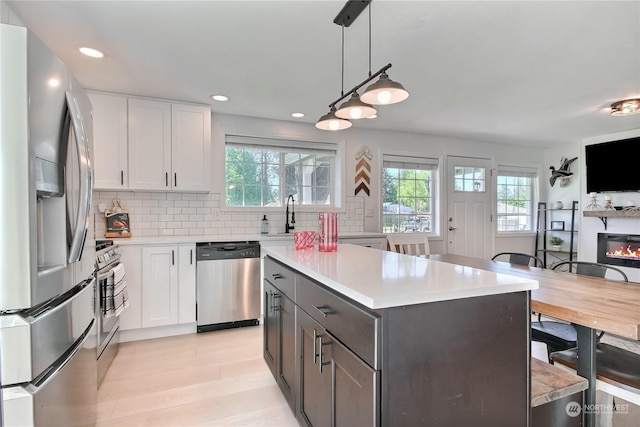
x=227 y=250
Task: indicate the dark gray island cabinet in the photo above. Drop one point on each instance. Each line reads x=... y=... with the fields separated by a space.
x=364 y=337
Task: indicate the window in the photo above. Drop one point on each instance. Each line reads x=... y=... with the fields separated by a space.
x=469 y=179
x=408 y=185
x=515 y=194
x=264 y=172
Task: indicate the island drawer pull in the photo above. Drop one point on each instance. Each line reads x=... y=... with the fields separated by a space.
x=324 y=310
x=276 y=276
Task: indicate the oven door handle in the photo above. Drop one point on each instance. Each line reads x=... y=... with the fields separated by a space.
x=107 y=271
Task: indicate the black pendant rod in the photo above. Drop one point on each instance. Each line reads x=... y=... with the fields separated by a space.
x=364 y=82
x=350 y=12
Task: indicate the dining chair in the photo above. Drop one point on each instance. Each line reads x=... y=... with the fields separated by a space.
x=519 y=258
x=409 y=243
x=560 y=336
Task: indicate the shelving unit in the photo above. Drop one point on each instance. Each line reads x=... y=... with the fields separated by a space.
x=545 y=230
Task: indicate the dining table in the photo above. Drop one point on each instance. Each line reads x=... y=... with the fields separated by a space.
x=590 y=303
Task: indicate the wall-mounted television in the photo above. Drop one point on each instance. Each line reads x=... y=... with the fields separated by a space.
x=613 y=166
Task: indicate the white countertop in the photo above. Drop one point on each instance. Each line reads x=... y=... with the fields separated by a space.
x=263 y=238
x=382 y=279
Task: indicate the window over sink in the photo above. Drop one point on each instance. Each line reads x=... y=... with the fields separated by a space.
x=263 y=172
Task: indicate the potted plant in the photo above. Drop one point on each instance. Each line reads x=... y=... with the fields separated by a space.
x=556 y=242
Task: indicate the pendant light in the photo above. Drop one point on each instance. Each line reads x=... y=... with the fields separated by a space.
x=355 y=109
x=384 y=91
x=330 y=122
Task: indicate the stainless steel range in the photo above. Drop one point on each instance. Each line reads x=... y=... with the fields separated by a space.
x=112 y=298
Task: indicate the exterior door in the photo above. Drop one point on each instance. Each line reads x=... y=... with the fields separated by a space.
x=468 y=220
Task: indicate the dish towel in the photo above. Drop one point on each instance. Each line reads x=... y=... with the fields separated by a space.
x=116 y=292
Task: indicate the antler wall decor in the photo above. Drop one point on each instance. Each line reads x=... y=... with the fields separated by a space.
x=363 y=169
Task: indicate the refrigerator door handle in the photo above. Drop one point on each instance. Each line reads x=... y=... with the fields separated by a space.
x=84 y=203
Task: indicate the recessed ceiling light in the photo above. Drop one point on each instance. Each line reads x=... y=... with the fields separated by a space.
x=219 y=97
x=91 y=52
x=372 y=117
x=297 y=115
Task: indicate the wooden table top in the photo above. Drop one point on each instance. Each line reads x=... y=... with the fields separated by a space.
x=601 y=304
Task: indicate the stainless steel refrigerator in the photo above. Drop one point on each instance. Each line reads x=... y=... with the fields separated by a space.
x=47 y=250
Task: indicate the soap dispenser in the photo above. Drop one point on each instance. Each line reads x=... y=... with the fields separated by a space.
x=264 y=227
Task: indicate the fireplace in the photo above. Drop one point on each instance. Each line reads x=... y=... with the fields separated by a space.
x=619 y=249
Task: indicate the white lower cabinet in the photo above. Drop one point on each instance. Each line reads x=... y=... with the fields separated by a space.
x=159 y=286
x=186 y=283
x=161 y=283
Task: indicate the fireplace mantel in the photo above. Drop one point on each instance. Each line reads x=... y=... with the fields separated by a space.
x=603 y=215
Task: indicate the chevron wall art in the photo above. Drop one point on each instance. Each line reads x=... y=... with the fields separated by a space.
x=362 y=180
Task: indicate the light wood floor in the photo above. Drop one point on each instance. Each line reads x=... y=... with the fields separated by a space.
x=209 y=379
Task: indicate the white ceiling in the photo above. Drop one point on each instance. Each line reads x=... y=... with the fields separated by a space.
x=534 y=73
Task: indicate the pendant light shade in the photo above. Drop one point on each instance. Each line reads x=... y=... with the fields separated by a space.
x=384 y=91
x=355 y=109
x=330 y=122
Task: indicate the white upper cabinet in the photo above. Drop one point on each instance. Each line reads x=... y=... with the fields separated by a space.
x=190 y=147
x=110 y=141
x=149 y=145
x=169 y=146
x=145 y=144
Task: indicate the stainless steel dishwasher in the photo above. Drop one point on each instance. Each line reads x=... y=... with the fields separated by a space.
x=228 y=285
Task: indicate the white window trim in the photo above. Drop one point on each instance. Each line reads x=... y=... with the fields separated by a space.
x=339 y=185
x=437 y=208
x=525 y=170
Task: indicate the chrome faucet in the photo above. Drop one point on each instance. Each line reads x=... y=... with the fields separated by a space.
x=291 y=226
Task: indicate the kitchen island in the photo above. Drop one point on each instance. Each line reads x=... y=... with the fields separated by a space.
x=368 y=337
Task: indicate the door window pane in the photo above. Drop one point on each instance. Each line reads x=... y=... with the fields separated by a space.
x=469 y=179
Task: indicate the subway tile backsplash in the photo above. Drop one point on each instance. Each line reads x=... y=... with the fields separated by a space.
x=195 y=214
